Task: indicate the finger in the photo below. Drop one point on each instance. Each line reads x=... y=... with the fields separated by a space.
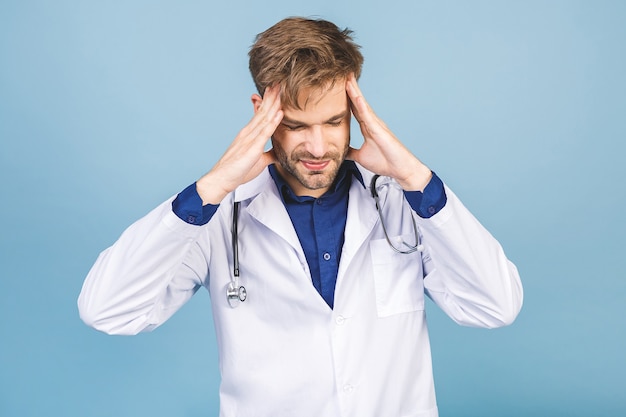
x=353 y=89
x=270 y=127
x=271 y=102
x=266 y=119
x=353 y=86
x=360 y=108
x=261 y=128
x=352 y=92
x=270 y=97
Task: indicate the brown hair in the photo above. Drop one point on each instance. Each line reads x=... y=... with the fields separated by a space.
x=301 y=53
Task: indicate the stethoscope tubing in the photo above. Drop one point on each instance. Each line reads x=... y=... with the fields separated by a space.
x=411 y=248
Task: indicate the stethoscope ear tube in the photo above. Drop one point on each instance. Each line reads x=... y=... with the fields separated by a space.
x=235 y=294
x=409 y=248
x=235 y=235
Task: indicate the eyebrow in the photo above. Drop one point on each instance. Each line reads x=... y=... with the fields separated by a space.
x=299 y=123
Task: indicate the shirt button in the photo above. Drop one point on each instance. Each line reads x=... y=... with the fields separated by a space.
x=348 y=388
x=327 y=256
x=431 y=210
x=191 y=219
x=340 y=320
x=319 y=201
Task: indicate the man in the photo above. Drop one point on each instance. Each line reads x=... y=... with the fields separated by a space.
x=329 y=292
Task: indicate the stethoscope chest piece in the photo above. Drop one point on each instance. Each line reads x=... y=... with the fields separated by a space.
x=236 y=295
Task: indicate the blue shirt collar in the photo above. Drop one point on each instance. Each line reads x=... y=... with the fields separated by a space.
x=341 y=184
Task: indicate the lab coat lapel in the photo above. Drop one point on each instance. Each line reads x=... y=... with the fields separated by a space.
x=362 y=217
x=268 y=209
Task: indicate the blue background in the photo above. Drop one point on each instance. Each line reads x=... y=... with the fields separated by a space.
x=108 y=108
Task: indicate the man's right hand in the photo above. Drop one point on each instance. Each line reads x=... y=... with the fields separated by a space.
x=245 y=158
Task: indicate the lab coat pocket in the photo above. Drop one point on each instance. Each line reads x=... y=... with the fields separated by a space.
x=398 y=278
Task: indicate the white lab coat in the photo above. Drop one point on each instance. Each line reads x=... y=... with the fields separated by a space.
x=284 y=352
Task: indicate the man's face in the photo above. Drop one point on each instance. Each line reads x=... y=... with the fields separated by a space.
x=311 y=144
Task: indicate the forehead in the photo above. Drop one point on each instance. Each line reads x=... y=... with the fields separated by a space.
x=319 y=103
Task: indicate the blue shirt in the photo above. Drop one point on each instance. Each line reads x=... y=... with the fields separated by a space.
x=318 y=222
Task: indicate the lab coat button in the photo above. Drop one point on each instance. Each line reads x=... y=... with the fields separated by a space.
x=340 y=320
x=348 y=388
x=327 y=256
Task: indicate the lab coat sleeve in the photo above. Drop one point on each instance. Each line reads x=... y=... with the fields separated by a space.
x=466 y=271
x=156 y=265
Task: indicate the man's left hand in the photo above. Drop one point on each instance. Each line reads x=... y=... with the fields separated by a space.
x=381 y=151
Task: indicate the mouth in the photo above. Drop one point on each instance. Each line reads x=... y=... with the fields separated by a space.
x=315 y=165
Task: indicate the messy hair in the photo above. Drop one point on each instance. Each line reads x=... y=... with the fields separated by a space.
x=301 y=53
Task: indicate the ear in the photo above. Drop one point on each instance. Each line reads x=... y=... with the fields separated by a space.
x=256 y=102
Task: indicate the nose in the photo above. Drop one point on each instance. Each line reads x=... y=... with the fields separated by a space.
x=315 y=143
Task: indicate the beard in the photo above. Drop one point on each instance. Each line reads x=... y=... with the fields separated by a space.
x=311 y=179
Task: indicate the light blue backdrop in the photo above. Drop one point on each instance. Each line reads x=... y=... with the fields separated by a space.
x=108 y=108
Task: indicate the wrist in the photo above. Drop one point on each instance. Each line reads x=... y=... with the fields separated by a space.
x=210 y=189
x=417 y=180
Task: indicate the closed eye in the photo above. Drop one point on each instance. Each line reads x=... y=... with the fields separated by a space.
x=293 y=127
x=337 y=120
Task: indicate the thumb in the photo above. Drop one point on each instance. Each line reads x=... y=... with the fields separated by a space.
x=353 y=154
x=269 y=157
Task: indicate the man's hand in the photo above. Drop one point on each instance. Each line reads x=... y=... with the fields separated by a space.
x=245 y=158
x=382 y=152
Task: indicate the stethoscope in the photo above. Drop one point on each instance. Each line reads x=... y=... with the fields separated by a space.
x=236 y=294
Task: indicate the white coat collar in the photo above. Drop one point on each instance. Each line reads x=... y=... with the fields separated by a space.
x=264 y=183
x=262 y=201
x=261 y=183
x=265 y=205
